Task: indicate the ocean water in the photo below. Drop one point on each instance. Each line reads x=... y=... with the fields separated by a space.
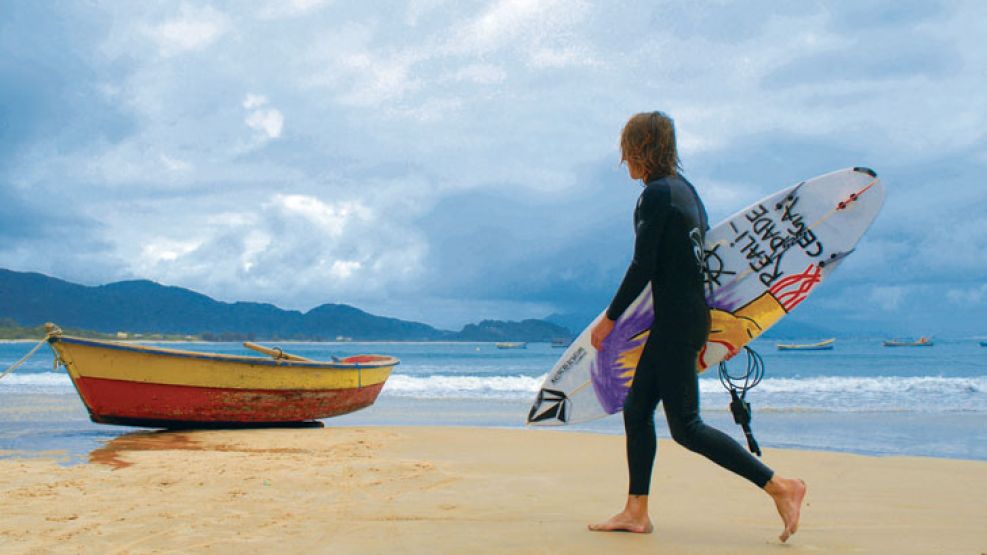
x=860 y=397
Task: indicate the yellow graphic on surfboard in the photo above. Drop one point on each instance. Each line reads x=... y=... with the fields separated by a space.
x=730 y=331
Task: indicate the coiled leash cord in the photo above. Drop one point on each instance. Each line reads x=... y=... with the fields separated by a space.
x=738 y=386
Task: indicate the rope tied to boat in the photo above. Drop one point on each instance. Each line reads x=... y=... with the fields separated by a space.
x=23 y=359
x=50 y=330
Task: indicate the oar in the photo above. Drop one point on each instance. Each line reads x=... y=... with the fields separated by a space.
x=275 y=352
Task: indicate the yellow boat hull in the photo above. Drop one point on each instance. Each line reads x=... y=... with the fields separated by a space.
x=138 y=385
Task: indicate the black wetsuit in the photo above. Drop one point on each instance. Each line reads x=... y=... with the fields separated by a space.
x=670 y=227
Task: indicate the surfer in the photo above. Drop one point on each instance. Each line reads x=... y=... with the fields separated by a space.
x=670 y=226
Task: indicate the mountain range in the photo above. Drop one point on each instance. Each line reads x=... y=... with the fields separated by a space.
x=142 y=306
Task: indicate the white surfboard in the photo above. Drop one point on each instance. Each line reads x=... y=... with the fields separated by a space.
x=761 y=263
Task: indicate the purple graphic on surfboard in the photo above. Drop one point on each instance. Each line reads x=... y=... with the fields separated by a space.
x=613 y=370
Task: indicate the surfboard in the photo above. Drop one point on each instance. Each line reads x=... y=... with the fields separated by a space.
x=761 y=263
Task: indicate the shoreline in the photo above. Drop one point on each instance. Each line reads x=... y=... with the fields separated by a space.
x=455 y=490
x=768 y=340
x=292 y=341
x=46 y=419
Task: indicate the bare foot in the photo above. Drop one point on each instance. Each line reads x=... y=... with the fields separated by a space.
x=625 y=522
x=788 y=495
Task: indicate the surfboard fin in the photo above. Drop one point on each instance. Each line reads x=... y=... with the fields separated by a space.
x=835 y=257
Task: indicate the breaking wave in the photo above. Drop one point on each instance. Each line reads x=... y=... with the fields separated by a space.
x=921 y=394
x=823 y=393
x=36 y=382
x=459 y=387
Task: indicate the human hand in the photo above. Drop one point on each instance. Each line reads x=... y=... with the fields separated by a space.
x=727 y=335
x=600 y=332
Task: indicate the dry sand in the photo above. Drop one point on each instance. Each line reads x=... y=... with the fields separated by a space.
x=459 y=490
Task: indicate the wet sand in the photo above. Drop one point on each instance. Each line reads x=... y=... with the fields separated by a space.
x=462 y=490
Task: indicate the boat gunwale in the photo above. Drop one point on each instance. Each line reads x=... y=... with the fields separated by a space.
x=224 y=358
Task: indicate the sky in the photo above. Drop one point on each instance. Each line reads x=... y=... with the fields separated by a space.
x=451 y=161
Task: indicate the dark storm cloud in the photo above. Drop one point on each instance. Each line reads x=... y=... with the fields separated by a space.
x=509 y=243
x=452 y=161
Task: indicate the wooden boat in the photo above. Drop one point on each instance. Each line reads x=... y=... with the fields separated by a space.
x=561 y=342
x=135 y=385
x=921 y=342
x=512 y=345
x=824 y=345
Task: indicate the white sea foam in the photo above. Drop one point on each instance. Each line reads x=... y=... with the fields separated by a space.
x=451 y=387
x=860 y=394
x=825 y=393
x=36 y=382
x=856 y=385
x=829 y=393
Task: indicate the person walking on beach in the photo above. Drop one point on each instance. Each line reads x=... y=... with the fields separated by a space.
x=670 y=227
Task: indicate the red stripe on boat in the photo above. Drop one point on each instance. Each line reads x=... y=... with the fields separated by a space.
x=111 y=399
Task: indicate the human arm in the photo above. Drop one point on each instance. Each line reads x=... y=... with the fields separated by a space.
x=649 y=223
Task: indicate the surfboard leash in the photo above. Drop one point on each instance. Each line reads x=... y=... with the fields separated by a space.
x=738 y=386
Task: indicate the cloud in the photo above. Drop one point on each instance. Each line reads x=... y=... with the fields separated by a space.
x=888 y=298
x=193 y=29
x=544 y=58
x=878 y=61
x=503 y=21
x=260 y=117
x=417 y=10
x=343 y=269
x=483 y=74
x=508 y=21
x=254 y=101
x=71 y=246
x=246 y=247
x=542 y=32
x=281 y=9
x=968 y=296
x=175 y=164
x=164 y=250
x=300 y=153
x=332 y=218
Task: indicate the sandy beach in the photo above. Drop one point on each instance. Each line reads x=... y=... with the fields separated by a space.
x=464 y=490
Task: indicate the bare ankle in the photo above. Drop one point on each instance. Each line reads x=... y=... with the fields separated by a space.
x=778 y=486
x=636 y=505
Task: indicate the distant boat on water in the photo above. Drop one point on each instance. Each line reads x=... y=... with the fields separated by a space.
x=512 y=345
x=983 y=343
x=920 y=342
x=561 y=342
x=824 y=345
